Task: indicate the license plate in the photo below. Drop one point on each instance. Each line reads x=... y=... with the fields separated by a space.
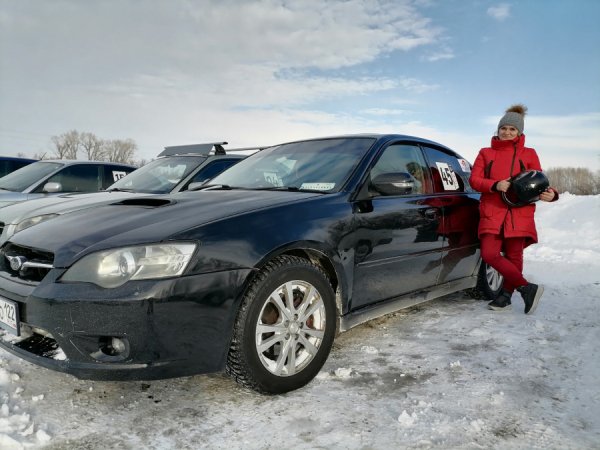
x=9 y=316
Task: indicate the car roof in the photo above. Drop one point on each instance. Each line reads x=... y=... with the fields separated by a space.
x=16 y=158
x=205 y=149
x=372 y=136
x=72 y=162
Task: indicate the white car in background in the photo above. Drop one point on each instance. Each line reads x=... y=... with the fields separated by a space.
x=176 y=169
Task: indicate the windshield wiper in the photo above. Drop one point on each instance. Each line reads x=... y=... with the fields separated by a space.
x=289 y=189
x=215 y=187
x=119 y=190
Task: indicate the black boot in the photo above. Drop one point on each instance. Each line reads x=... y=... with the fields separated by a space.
x=531 y=293
x=502 y=303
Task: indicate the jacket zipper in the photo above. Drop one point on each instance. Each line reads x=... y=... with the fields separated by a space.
x=512 y=163
x=509 y=209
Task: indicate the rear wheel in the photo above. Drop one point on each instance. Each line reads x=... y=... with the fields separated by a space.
x=285 y=327
x=489 y=283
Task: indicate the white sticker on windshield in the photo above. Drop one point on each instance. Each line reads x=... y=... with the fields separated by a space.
x=318 y=186
x=464 y=164
x=448 y=176
x=273 y=179
x=118 y=175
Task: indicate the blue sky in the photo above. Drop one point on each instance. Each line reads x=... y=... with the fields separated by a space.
x=264 y=72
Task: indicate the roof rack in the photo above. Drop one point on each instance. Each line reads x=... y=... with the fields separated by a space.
x=202 y=149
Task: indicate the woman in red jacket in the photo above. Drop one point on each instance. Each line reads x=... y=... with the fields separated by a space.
x=505 y=231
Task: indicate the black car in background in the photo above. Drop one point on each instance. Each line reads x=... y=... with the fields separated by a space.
x=59 y=176
x=9 y=164
x=255 y=273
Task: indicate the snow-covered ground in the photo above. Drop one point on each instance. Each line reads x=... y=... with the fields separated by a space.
x=448 y=374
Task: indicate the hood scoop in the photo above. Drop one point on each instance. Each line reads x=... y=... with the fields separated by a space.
x=145 y=201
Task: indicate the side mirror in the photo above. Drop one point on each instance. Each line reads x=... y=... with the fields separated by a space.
x=393 y=183
x=52 y=187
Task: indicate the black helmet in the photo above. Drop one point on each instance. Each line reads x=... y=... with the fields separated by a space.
x=525 y=188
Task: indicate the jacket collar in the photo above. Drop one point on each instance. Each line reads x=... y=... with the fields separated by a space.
x=519 y=142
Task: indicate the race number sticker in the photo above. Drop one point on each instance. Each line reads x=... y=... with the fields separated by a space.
x=448 y=176
x=118 y=175
x=464 y=165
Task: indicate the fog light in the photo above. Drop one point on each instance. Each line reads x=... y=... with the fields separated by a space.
x=118 y=345
x=113 y=346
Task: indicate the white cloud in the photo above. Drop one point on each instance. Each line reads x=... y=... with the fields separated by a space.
x=142 y=69
x=443 y=53
x=384 y=112
x=499 y=12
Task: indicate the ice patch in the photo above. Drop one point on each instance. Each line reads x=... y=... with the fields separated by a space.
x=369 y=349
x=42 y=436
x=343 y=372
x=407 y=420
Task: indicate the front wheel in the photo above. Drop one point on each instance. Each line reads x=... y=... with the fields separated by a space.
x=285 y=327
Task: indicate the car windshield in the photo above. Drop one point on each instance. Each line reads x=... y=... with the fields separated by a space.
x=21 y=179
x=159 y=176
x=317 y=165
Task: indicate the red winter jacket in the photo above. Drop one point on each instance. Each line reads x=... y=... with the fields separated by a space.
x=499 y=162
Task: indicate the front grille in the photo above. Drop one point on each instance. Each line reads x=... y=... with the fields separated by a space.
x=34 y=264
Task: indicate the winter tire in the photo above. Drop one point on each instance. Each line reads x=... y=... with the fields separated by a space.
x=489 y=283
x=285 y=327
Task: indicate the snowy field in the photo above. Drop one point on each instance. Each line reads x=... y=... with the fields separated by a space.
x=448 y=374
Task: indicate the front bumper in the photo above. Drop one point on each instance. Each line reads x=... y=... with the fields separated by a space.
x=165 y=328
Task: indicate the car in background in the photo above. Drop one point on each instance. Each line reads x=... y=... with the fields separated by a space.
x=177 y=168
x=254 y=274
x=47 y=177
x=9 y=164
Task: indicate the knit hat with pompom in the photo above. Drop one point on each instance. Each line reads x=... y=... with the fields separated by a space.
x=514 y=116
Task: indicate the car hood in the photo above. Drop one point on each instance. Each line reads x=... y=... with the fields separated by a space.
x=139 y=220
x=60 y=204
x=10 y=197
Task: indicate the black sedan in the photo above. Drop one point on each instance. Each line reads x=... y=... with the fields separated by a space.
x=255 y=274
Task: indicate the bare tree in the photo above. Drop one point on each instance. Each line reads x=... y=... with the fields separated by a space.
x=575 y=180
x=118 y=150
x=92 y=146
x=66 y=145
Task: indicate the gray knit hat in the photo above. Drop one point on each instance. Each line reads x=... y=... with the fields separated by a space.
x=515 y=116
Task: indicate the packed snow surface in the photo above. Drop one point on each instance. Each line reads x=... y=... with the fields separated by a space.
x=447 y=374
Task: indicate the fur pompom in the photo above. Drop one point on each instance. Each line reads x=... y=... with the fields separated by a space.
x=519 y=108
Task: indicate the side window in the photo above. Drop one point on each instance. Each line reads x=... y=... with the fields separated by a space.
x=408 y=159
x=78 y=178
x=211 y=170
x=450 y=174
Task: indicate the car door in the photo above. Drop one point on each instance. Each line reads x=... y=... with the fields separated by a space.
x=459 y=205
x=395 y=237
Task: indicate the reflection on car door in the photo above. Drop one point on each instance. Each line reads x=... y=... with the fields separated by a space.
x=395 y=238
x=460 y=207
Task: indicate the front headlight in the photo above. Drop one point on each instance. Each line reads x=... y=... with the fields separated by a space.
x=113 y=268
x=23 y=224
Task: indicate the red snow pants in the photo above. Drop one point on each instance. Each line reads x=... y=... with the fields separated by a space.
x=510 y=265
